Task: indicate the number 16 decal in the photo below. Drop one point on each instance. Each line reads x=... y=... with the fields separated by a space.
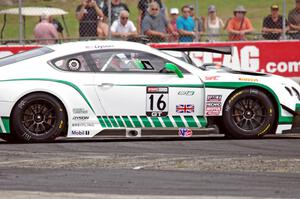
x=157 y=101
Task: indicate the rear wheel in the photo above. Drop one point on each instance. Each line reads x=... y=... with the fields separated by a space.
x=248 y=113
x=38 y=117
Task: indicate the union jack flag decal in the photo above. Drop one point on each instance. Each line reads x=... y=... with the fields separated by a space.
x=185 y=108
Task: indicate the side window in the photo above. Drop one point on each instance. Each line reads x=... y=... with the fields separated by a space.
x=127 y=61
x=114 y=61
x=74 y=63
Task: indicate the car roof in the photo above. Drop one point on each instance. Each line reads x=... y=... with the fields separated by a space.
x=81 y=46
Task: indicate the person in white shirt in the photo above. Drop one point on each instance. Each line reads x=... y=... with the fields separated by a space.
x=213 y=24
x=123 y=27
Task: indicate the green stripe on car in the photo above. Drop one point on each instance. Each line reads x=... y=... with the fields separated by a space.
x=179 y=121
x=146 y=122
x=107 y=122
x=102 y=123
x=119 y=121
x=127 y=121
x=5 y=126
x=167 y=122
x=75 y=87
x=112 y=120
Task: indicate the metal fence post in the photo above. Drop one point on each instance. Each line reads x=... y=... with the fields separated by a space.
x=283 y=17
x=109 y=19
x=21 y=22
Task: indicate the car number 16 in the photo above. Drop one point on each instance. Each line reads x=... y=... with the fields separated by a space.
x=157 y=101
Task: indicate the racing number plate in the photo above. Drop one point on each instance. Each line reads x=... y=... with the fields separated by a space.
x=157 y=101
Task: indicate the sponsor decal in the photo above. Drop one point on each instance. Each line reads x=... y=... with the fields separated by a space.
x=81 y=117
x=99 y=46
x=212 y=78
x=83 y=124
x=157 y=90
x=157 y=101
x=185 y=108
x=213 y=105
x=214 y=98
x=248 y=79
x=186 y=93
x=79 y=111
x=80 y=132
x=185 y=132
x=74 y=64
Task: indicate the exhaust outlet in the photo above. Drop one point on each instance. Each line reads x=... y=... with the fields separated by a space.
x=130 y=133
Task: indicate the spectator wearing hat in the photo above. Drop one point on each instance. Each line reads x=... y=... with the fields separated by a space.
x=186 y=25
x=213 y=24
x=294 y=20
x=239 y=25
x=173 y=17
x=273 y=24
x=199 y=22
x=123 y=27
x=45 y=32
x=155 y=25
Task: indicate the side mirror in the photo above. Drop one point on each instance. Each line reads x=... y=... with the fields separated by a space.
x=173 y=68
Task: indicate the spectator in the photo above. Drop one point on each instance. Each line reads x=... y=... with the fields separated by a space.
x=88 y=13
x=239 y=25
x=116 y=7
x=199 y=25
x=186 y=25
x=155 y=25
x=102 y=29
x=45 y=32
x=143 y=7
x=173 y=17
x=59 y=28
x=273 y=23
x=213 y=24
x=123 y=28
x=294 y=20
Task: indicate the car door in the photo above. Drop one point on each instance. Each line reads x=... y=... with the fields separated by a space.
x=135 y=90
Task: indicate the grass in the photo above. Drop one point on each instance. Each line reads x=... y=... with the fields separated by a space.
x=257 y=9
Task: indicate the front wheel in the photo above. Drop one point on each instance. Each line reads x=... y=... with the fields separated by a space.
x=248 y=113
x=38 y=117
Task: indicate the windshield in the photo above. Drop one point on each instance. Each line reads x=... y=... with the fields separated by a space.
x=24 y=55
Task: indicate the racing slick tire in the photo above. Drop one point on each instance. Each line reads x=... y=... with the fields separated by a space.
x=38 y=117
x=248 y=113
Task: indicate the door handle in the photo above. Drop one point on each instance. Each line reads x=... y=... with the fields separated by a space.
x=106 y=85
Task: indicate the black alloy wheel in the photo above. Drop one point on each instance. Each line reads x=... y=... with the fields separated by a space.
x=248 y=113
x=38 y=117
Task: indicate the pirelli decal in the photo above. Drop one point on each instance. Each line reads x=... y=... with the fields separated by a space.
x=4 y=125
x=152 y=122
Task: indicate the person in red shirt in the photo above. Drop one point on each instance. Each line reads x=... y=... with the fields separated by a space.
x=239 y=25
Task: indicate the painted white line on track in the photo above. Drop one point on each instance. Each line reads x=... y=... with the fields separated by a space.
x=42 y=195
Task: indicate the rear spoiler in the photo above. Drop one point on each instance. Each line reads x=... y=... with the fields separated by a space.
x=219 y=49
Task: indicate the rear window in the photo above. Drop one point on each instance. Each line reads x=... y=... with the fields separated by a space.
x=25 y=55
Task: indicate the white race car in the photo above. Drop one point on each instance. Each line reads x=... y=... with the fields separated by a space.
x=79 y=89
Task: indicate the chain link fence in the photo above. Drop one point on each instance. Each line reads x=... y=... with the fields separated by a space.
x=53 y=21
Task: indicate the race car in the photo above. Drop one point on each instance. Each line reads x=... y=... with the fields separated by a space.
x=81 y=89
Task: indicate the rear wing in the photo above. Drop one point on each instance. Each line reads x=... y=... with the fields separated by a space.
x=219 y=49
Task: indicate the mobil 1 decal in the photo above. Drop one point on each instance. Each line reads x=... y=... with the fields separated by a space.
x=157 y=101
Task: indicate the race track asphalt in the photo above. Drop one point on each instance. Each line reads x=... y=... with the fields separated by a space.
x=205 y=167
